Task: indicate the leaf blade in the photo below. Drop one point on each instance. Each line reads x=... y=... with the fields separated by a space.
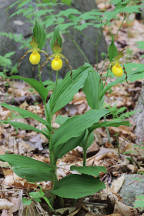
x=23 y=126
x=68 y=88
x=28 y=168
x=74 y=126
x=38 y=86
x=77 y=186
x=93 y=88
x=24 y=113
x=89 y=170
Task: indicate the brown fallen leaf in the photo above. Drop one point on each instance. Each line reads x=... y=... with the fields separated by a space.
x=6 y=213
x=123 y=130
x=5 y=204
x=113 y=215
x=79 y=98
x=11 y=179
x=34 y=209
x=117 y=184
x=16 y=201
x=104 y=153
x=90 y=214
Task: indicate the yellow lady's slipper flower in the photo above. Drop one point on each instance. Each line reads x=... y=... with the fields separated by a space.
x=34 y=57
x=56 y=63
x=117 y=70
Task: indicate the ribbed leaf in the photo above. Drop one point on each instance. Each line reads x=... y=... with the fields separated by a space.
x=68 y=87
x=93 y=88
x=38 y=86
x=64 y=148
x=24 y=113
x=112 y=50
x=134 y=71
x=88 y=139
x=89 y=170
x=23 y=126
x=61 y=119
x=56 y=40
x=74 y=126
x=77 y=186
x=112 y=123
x=28 y=168
x=39 y=35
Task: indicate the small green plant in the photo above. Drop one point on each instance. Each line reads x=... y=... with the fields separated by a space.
x=6 y=64
x=139 y=202
x=36 y=196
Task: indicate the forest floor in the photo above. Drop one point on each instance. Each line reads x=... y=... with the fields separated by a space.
x=111 y=147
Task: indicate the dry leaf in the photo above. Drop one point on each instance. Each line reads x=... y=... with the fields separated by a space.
x=113 y=215
x=5 y=204
x=6 y=213
x=117 y=184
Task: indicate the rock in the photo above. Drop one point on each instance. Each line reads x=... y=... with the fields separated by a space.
x=138 y=118
x=91 y=40
x=132 y=187
x=16 y=25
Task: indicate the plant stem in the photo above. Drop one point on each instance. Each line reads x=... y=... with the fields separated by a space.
x=56 y=77
x=85 y=149
x=48 y=202
x=123 y=20
x=51 y=147
x=106 y=76
x=39 y=73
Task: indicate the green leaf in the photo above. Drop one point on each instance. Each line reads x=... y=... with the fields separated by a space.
x=77 y=186
x=74 y=126
x=115 y=1
x=112 y=123
x=9 y=54
x=140 y=197
x=67 y=2
x=61 y=119
x=37 y=194
x=23 y=126
x=93 y=88
x=64 y=148
x=88 y=139
x=111 y=84
x=89 y=170
x=39 y=34
x=26 y=201
x=130 y=9
x=68 y=87
x=82 y=26
x=65 y=26
x=112 y=50
x=139 y=204
x=69 y=12
x=28 y=168
x=38 y=86
x=56 y=40
x=134 y=71
x=140 y=44
x=25 y=113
